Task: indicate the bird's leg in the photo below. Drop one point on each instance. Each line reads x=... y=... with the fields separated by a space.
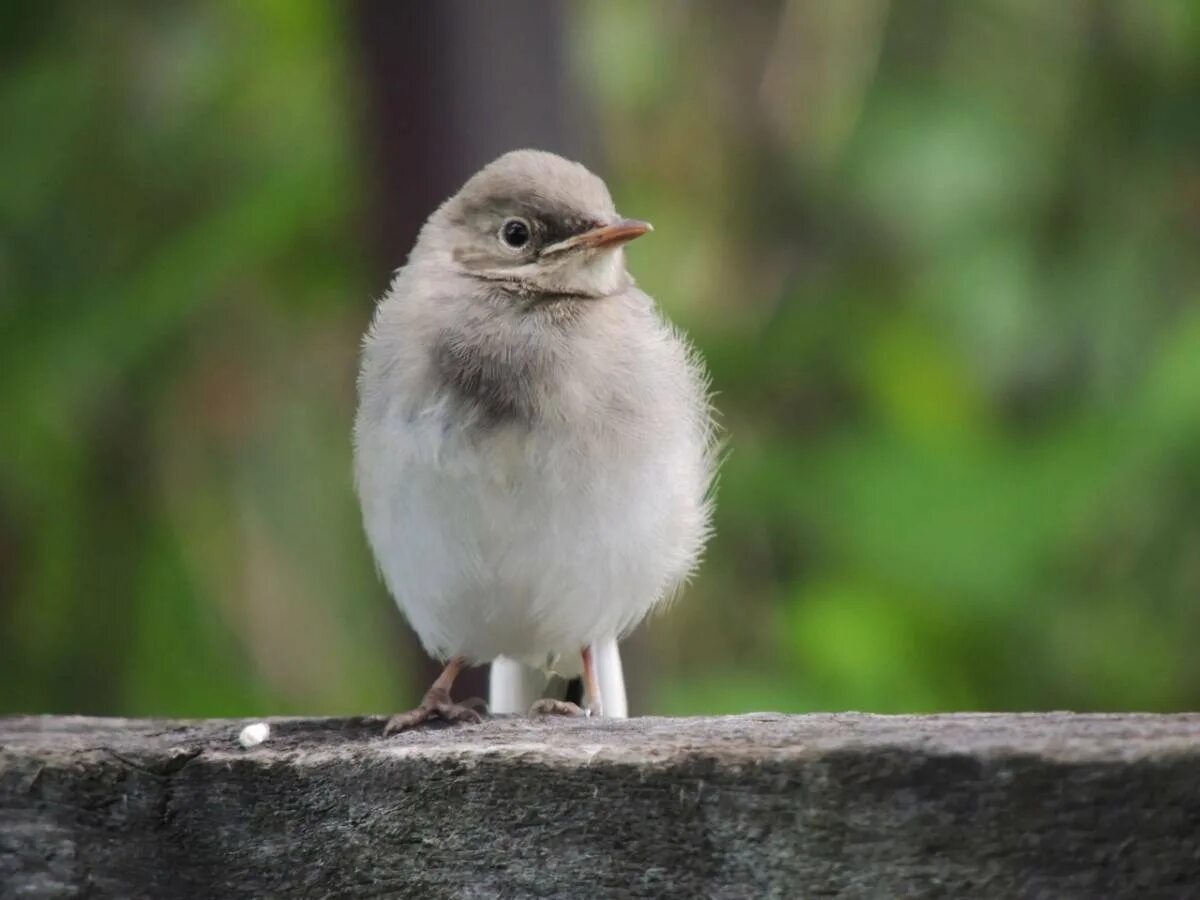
x=591 y=685
x=437 y=703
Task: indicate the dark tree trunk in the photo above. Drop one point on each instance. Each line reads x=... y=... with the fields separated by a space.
x=449 y=86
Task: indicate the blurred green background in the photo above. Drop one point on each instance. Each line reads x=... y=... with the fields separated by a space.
x=943 y=260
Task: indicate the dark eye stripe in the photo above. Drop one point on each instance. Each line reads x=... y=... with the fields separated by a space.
x=559 y=228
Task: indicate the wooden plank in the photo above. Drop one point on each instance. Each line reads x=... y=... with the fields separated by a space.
x=1055 y=805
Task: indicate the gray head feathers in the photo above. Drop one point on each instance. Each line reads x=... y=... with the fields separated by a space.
x=532 y=182
x=533 y=225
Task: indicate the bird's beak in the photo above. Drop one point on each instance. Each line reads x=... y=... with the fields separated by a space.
x=622 y=231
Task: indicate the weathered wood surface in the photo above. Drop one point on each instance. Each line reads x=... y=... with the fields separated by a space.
x=1054 y=805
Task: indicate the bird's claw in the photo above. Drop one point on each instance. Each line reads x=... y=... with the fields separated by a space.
x=437 y=704
x=550 y=707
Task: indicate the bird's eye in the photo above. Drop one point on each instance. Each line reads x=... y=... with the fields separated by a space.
x=515 y=233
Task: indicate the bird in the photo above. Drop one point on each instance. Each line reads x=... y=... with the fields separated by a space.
x=534 y=448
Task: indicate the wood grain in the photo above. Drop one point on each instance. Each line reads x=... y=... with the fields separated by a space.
x=1047 y=805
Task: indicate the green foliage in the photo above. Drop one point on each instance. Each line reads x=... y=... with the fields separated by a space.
x=184 y=297
x=943 y=262
x=942 y=259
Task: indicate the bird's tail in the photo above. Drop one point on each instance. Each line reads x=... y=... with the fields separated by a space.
x=611 y=678
x=513 y=687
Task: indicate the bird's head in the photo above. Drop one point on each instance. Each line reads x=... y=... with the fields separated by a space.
x=535 y=225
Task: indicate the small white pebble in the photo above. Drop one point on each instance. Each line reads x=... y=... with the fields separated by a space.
x=253 y=735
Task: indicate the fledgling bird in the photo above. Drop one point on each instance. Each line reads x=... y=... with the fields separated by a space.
x=534 y=444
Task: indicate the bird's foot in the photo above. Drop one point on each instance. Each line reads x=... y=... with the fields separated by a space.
x=557 y=708
x=436 y=704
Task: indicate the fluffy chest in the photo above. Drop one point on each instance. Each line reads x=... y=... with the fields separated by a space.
x=521 y=541
x=542 y=474
x=531 y=489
